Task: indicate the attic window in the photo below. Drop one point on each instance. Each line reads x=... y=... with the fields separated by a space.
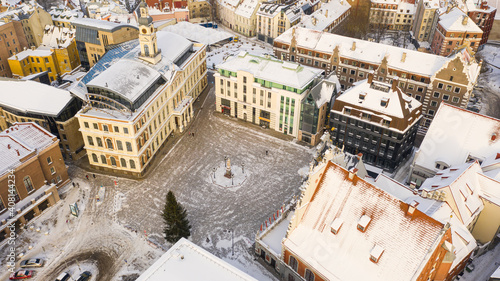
x=336 y=225
x=363 y=223
x=376 y=253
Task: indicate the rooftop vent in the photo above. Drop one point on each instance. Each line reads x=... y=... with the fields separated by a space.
x=403 y=57
x=353 y=48
x=384 y=101
x=336 y=225
x=376 y=253
x=363 y=223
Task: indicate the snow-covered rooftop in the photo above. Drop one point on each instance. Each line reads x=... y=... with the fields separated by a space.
x=246 y=8
x=323 y=91
x=324 y=17
x=33 y=53
x=20 y=140
x=188 y=262
x=270 y=69
x=340 y=256
x=45 y=100
x=198 y=33
x=454 y=21
x=365 y=51
x=381 y=99
x=462 y=182
x=455 y=134
x=57 y=37
x=100 y=24
x=273 y=237
x=130 y=84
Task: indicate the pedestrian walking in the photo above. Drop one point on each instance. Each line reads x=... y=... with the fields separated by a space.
x=93 y=175
x=193 y=135
x=87 y=176
x=73 y=184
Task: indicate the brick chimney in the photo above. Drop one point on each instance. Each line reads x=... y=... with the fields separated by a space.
x=370 y=77
x=353 y=48
x=395 y=83
x=464 y=20
x=326 y=13
x=352 y=174
x=403 y=57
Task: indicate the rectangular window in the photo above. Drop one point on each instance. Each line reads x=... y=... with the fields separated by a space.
x=457 y=90
x=52 y=170
x=125 y=130
x=49 y=160
x=446 y=97
x=456 y=99
x=436 y=94
x=95 y=126
x=129 y=146
x=115 y=129
x=90 y=140
x=86 y=124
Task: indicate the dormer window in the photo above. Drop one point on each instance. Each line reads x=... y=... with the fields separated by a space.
x=376 y=253
x=363 y=223
x=336 y=225
x=347 y=111
x=384 y=102
x=362 y=96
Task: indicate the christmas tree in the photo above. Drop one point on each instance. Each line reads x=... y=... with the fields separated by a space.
x=177 y=225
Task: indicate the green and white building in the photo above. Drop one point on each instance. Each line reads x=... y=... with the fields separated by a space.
x=267 y=91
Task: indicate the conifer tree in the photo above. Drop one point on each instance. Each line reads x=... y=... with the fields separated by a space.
x=175 y=217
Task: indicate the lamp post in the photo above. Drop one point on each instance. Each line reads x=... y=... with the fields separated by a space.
x=214 y=172
x=232 y=241
x=225 y=161
x=232 y=179
x=243 y=167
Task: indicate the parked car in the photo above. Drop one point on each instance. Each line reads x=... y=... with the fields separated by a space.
x=32 y=263
x=21 y=274
x=63 y=277
x=85 y=276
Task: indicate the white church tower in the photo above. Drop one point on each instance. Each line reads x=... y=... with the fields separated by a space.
x=147 y=36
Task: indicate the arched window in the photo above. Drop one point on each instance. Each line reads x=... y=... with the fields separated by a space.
x=94 y=157
x=132 y=164
x=123 y=162
x=99 y=142
x=146 y=50
x=103 y=159
x=113 y=161
x=28 y=184
x=109 y=143
x=293 y=263
x=309 y=276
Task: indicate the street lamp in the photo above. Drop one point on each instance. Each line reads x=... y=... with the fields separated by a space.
x=243 y=167
x=225 y=161
x=214 y=173
x=232 y=241
x=232 y=179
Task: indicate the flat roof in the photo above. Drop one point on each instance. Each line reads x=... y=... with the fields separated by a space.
x=100 y=24
x=20 y=95
x=188 y=262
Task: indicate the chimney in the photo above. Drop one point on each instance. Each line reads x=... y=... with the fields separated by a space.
x=370 y=77
x=413 y=185
x=352 y=174
x=395 y=83
x=403 y=57
x=32 y=48
x=412 y=207
x=464 y=21
x=18 y=154
x=359 y=156
x=326 y=13
x=353 y=48
x=8 y=146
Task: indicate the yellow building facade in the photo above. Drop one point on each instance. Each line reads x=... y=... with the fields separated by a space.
x=33 y=61
x=130 y=115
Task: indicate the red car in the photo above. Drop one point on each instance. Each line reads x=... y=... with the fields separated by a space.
x=21 y=274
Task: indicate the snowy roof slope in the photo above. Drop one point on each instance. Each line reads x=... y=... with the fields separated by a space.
x=275 y=235
x=453 y=21
x=269 y=69
x=129 y=84
x=323 y=91
x=29 y=52
x=19 y=141
x=188 y=262
x=405 y=240
x=373 y=96
x=370 y=52
x=463 y=184
x=198 y=33
x=46 y=100
x=101 y=24
x=57 y=37
x=246 y=8
x=324 y=17
x=490 y=188
x=456 y=133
